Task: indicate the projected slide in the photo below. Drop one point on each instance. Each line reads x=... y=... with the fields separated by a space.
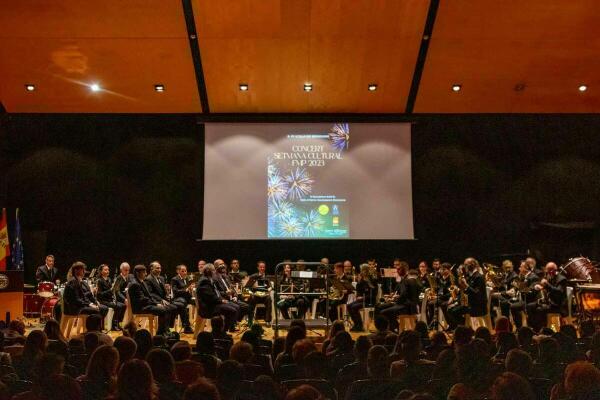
x=307 y=181
x=299 y=204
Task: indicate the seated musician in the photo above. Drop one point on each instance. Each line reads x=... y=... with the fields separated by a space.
x=211 y=302
x=201 y=265
x=405 y=298
x=158 y=290
x=366 y=292
x=551 y=295
x=106 y=296
x=122 y=281
x=78 y=297
x=182 y=288
x=228 y=291
x=502 y=297
x=339 y=288
x=142 y=302
x=47 y=272
x=236 y=275
x=349 y=270
x=523 y=293
x=423 y=275
x=289 y=284
x=260 y=287
x=445 y=281
x=473 y=290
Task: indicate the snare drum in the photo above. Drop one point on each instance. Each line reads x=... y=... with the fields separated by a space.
x=46 y=289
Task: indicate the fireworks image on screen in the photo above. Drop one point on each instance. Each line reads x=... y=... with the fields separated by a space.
x=299 y=183
x=312 y=223
x=339 y=136
x=290 y=227
x=277 y=188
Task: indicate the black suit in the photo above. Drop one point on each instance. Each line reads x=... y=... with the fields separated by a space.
x=407 y=301
x=179 y=286
x=476 y=292
x=107 y=297
x=43 y=274
x=555 y=301
x=211 y=303
x=121 y=284
x=224 y=285
x=143 y=303
x=77 y=298
x=156 y=287
x=531 y=279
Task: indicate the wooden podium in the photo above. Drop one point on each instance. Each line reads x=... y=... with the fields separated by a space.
x=11 y=294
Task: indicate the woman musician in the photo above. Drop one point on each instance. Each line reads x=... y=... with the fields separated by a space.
x=288 y=284
x=366 y=292
x=106 y=295
x=260 y=286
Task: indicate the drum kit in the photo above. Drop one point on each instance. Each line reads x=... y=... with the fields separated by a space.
x=42 y=302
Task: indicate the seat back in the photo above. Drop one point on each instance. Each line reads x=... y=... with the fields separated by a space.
x=368 y=389
x=326 y=389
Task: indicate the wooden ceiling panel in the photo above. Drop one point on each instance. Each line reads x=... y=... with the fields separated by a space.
x=127 y=70
x=491 y=47
x=92 y=19
x=340 y=47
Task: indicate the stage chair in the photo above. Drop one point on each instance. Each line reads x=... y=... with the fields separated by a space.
x=178 y=325
x=150 y=319
x=67 y=322
x=407 y=322
x=199 y=321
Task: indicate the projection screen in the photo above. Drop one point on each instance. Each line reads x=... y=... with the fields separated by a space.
x=307 y=181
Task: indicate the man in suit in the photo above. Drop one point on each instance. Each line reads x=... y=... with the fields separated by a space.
x=107 y=297
x=236 y=274
x=78 y=297
x=551 y=297
x=211 y=302
x=261 y=287
x=158 y=290
x=473 y=286
x=143 y=303
x=405 y=298
x=122 y=281
x=526 y=280
x=47 y=272
x=227 y=290
x=182 y=287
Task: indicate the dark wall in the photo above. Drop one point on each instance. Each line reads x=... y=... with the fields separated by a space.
x=111 y=188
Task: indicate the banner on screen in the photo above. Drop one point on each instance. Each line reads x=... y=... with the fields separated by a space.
x=311 y=181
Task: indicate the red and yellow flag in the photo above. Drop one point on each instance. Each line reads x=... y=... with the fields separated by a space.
x=4 y=247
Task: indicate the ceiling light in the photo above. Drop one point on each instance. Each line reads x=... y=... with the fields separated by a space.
x=308 y=87
x=519 y=87
x=29 y=87
x=372 y=87
x=583 y=88
x=95 y=87
x=456 y=88
x=244 y=87
x=159 y=88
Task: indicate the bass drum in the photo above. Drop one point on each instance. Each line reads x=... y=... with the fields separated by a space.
x=32 y=305
x=579 y=268
x=48 y=308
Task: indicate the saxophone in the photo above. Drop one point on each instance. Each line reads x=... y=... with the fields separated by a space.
x=433 y=286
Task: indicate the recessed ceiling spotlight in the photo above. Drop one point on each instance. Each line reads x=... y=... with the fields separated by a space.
x=244 y=87
x=519 y=87
x=583 y=88
x=372 y=87
x=308 y=87
x=456 y=87
x=95 y=87
x=29 y=87
x=159 y=88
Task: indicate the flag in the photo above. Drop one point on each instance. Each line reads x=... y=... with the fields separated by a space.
x=4 y=247
x=17 y=246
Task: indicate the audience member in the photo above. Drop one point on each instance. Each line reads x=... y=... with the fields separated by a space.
x=378 y=363
x=229 y=375
x=382 y=325
x=202 y=389
x=510 y=386
x=162 y=364
x=126 y=347
x=99 y=380
x=143 y=339
x=135 y=381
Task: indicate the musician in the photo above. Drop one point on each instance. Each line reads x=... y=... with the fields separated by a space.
x=366 y=292
x=106 y=296
x=182 y=288
x=78 y=297
x=235 y=274
x=473 y=287
x=261 y=287
x=340 y=286
x=524 y=282
x=288 y=284
x=405 y=297
x=201 y=265
x=436 y=265
x=423 y=275
x=211 y=302
x=502 y=296
x=158 y=291
x=228 y=291
x=445 y=281
x=47 y=272
x=551 y=295
x=349 y=269
x=142 y=302
x=122 y=281
x=533 y=266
